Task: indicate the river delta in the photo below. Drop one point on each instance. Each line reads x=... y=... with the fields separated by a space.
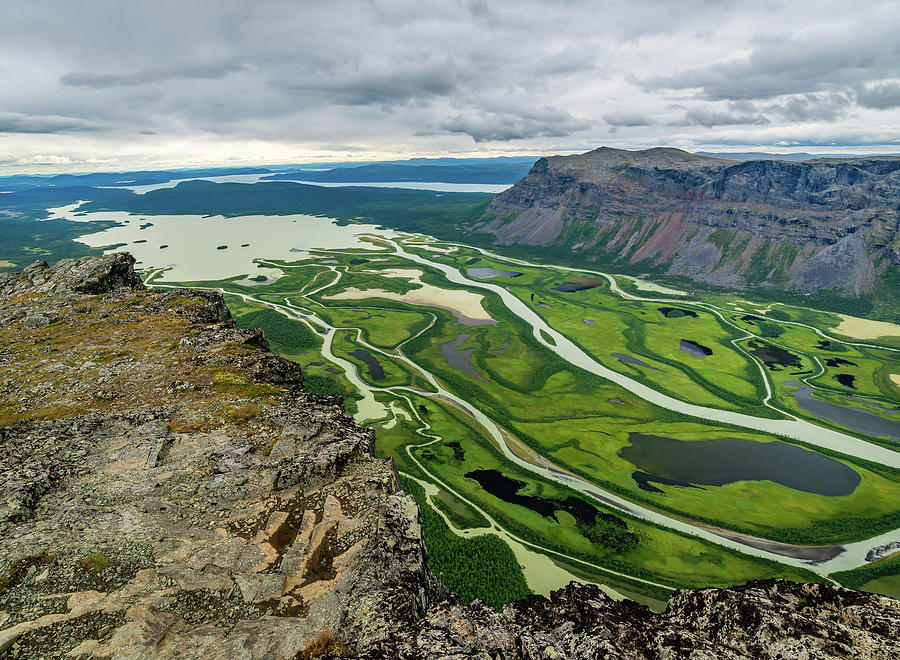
x=623 y=433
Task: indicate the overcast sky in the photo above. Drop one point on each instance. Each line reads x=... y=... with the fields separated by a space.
x=126 y=84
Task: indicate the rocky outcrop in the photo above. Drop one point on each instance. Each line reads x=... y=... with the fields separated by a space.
x=169 y=489
x=760 y=621
x=819 y=224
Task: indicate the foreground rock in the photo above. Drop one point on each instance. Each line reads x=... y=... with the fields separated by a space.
x=169 y=488
x=810 y=226
x=763 y=620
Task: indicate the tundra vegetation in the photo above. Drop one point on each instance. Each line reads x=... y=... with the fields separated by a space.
x=584 y=424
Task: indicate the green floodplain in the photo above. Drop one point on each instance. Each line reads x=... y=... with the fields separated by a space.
x=516 y=454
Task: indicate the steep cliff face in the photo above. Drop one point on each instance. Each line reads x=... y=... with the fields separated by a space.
x=169 y=489
x=797 y=226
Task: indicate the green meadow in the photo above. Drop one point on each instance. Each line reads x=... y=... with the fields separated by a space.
x=550 y=410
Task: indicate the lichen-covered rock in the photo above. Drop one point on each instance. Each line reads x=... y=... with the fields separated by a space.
x=169 y=489
x=760 y=621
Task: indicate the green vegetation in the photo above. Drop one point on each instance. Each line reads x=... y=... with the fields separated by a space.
x=550 y=410
x=882 y=576
x=284 y=335
x=481 y=567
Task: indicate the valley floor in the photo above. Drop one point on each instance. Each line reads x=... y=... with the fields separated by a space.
x=574 y=424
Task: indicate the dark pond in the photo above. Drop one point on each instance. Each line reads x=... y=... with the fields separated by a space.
x=855 y=419
x=839 y=362
x=846 y=380
x=507 y=489
x=458 y=453
x=633 y=360
x=695 y=349
x=376 y=371
x=724 y=460
x=645 y=482
x=460 y=359
x=358 y=261
x=603 y=529
x=751 y=319
x=369 y=315
x=774 y=356
x=676 y=312
x=581 y=285
x=487 y=273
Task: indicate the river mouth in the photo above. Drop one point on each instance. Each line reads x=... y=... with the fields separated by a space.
x=720 y=461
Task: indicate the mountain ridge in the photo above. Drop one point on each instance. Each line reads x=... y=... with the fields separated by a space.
x=806 y=227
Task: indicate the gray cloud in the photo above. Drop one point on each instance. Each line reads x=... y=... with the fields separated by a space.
x=14 y=122
x=381 y=83
x=781 y=65
x=506 y=126
x=193 y=71
x=736 y=114
x=627 y=119
x=812 y=107
x=879 y=96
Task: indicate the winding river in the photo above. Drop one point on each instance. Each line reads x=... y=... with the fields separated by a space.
x=831 y=559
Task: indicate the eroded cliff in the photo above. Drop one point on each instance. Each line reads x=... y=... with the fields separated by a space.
x=808 y=226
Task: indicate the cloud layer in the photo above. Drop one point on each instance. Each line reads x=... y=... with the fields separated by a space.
x=169 y=83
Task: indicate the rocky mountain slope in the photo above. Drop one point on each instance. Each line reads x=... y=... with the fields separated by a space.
x=169 y=489
x=796 y=226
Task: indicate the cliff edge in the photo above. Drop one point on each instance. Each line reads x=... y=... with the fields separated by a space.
x=169 y=489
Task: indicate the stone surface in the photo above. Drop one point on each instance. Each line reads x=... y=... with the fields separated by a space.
x=760 y=621
x=169 y=489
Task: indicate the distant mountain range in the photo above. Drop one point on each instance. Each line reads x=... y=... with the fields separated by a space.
x=826 y=225
x=761 y=155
